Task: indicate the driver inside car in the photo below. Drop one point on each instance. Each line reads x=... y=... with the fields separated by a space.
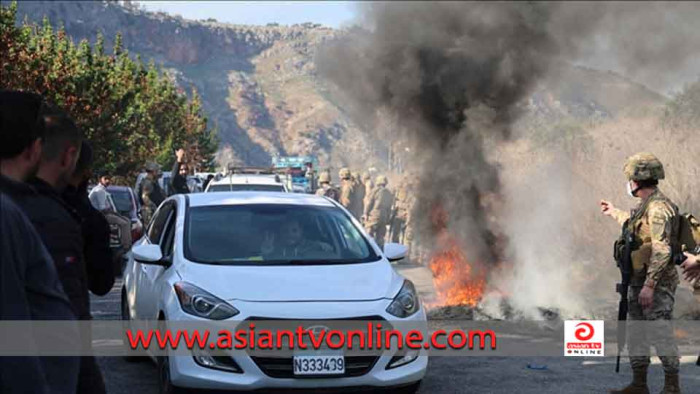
x=291 y=243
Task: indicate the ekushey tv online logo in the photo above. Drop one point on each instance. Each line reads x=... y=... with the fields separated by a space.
x=584 y=338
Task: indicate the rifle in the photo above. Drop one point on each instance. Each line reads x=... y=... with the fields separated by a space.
x=623 y=258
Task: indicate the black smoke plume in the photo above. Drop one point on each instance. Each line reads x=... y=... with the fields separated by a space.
x=453 y=75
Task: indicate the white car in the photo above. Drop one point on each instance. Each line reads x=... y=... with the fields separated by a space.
x=247 y=182
x=251 y=255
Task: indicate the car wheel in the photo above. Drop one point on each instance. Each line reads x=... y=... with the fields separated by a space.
x=165 y=386
x=127 y=318
x=410 y=389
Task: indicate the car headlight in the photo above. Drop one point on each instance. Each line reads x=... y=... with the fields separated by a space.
x=200 y=303
x=406 y=302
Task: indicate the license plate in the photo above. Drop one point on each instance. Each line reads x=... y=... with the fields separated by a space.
x=319 y=365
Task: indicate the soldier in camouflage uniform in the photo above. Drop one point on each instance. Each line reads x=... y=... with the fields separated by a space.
x=325 y=188
x=359 y=199
x=378 y=210
x=347 y=189
x=148 y=208
x=156 y=194
x=369 y=185
x=654 y=225
x=399 y=214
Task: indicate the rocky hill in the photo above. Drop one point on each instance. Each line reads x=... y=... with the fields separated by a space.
x=259 y=84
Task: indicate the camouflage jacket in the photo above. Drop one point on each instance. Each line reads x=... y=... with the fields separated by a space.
x=328 y=191
x=359 y=199
x=347 y=194
x=403 y=203
x=655 y=226
x=369 y=186
x=148 y=208
x=378 y=208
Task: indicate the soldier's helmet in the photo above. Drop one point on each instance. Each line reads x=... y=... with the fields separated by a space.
x=355 y=175
x=324 y=177
x=344 y=173
x=644 y=167
x=381 y=180
x=366 y=176
x=152 y=167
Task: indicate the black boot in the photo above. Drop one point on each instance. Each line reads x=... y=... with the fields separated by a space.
x=638 y=385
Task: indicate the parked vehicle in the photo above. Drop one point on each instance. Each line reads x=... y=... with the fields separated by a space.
x=296 y=171
x=194 y=183
x=248 y=179
x=126 y=204
x=229 y=253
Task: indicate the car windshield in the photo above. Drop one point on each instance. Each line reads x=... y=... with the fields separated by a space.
x=245 y=188
x=122 y=199
x=274 y=234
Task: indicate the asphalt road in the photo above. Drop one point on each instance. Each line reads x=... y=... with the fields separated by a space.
x=445 y=374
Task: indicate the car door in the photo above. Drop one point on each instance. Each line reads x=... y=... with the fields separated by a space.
x=149 y=273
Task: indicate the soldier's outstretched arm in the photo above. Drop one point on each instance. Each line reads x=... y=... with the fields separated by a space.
x=608 y=209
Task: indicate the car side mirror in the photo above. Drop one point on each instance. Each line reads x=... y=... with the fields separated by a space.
x=395 y=252
x=149 y=254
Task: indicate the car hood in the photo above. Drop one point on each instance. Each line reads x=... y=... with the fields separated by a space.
x=346 y=282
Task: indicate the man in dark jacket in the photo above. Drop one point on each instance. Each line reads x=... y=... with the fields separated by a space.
x=179 y=180
x=95 y=228
x=29 y=285
x=59 y=226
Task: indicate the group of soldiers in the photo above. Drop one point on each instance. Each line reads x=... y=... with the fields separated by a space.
x=384 y=214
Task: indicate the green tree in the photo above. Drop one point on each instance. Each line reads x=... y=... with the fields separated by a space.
x=130 y=112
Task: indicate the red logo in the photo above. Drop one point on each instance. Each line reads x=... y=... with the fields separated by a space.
x=584 y=333
x=584 y=338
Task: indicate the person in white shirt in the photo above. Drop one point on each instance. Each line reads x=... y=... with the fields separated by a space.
x=98 y=195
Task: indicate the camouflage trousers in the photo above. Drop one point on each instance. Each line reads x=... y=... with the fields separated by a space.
x=664 y=342
x=378 y=232
x=398 y=228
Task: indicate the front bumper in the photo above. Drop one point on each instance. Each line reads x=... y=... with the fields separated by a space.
x=185 y=372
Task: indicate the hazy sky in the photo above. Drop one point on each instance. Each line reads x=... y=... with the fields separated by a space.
x=329 y=13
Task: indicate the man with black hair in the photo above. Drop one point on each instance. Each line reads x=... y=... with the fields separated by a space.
x=97 y=255
x=95 y=228
x=99 y=196
x=29 y=285
x=59 y=225
x=178 y=178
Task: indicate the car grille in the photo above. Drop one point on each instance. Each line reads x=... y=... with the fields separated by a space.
x=281 y=367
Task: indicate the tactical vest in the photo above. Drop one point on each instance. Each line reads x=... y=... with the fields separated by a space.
x=641 y=248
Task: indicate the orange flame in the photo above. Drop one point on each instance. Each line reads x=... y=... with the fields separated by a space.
x=456 y=280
